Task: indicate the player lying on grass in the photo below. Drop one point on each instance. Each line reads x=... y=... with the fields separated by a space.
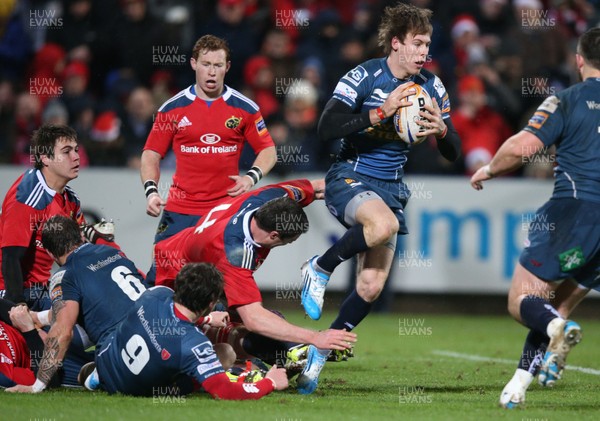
x=561 y=259
x=136 y=359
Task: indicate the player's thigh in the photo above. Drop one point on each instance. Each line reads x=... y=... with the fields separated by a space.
x=373 y=269
x=353 y=197
x=567 y=296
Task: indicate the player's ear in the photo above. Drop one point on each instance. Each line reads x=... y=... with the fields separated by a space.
x=227 y=66
x=193 y=63
x=273 y=235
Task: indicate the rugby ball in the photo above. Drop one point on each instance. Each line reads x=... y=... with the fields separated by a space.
x=405 y=118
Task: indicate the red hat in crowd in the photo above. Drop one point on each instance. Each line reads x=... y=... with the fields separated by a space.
x=470 y=83
x=107 y=127
x=463 y=24
x=77 y=68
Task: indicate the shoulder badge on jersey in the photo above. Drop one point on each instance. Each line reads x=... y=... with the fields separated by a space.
x=537 y=120
x=356 y=75
x=261 y=127
x=55 y=285
x=343 y=89
x=233 y=122
x=294 y=192
x=550 y=104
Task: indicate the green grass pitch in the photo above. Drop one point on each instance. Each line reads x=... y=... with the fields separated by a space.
x=407 y=367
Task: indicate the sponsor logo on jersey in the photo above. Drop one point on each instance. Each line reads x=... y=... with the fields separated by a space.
x=233 y=122
x=184 y=122
x=210 y=138
x=250 y=388
x=207 y=367
x=209 y=149
x=101 y=263
x=356 y=75
x=593 y=105
x=346 y=91
x=202 y=351
x=261 y=127
x=537 y=120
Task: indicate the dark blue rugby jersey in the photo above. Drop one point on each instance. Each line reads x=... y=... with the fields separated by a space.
x=103 y=281
x=377 y=151
x=571 y=121
x=152 y=346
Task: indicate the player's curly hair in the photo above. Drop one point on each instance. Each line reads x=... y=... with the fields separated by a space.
x=589 y=47
x=60 y=235
x=197 y=285
x=400 y=20
x=44 y=139
x=210 y=43
x=283 y=215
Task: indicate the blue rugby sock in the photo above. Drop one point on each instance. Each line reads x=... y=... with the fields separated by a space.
x=351 y=243
x=352 y=311
x=269 y=350
x=537 y=312
x=533 y=351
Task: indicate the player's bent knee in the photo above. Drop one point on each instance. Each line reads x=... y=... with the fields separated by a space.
x=381 y=231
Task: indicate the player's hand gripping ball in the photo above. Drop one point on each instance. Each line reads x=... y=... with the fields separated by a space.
x=405 y=118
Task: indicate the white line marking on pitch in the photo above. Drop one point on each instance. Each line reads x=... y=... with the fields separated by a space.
x=471 y=357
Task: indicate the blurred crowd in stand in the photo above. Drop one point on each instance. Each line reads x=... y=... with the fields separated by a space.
x=104 y=67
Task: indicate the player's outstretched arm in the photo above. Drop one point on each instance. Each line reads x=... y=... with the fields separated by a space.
x=260 y=320
x=510 y=156
x=220 y=387
x=55 y=347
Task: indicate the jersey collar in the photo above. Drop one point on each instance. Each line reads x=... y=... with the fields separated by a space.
x=246 y=225
x=191 y=93
x=42 y=181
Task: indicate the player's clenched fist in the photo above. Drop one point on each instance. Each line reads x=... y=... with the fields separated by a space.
x=334 y=339
x=154 y=204
x=278 y=376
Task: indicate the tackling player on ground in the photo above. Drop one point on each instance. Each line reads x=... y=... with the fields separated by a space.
x=561 y=260
x=94 y=289
x=206 y=125
x=237 y=236
x=364 y=188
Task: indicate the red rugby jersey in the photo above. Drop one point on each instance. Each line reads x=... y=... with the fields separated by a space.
x=28 y=204
x=223 y=238
x=207 y=138
x=14 y=356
